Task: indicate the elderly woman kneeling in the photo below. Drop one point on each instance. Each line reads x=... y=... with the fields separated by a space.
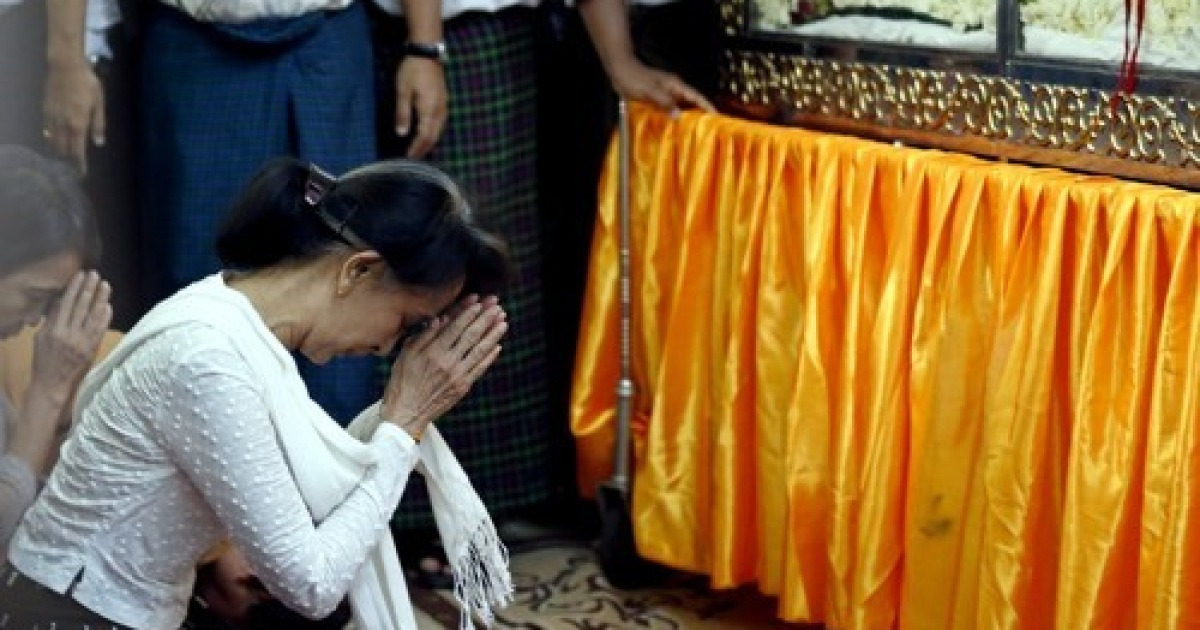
x=198 y=425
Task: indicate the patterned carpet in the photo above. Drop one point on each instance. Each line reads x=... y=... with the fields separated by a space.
x=562 y=588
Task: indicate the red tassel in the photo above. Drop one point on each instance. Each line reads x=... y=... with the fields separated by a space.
x=1135 y=23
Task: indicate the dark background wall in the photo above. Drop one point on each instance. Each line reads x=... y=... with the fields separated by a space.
x=577 y=115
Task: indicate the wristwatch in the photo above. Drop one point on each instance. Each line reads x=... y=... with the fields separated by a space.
x=435 y=51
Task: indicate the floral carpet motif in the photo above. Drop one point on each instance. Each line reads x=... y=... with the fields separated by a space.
x=562 y=588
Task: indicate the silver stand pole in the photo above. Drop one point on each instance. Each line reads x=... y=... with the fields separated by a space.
x=617 y=547
x=625 y=390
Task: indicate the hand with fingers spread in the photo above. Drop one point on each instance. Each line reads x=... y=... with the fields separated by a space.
x=437 y=368
x=70 y=336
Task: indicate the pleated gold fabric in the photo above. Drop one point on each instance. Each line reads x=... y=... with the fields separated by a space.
x=901 y=388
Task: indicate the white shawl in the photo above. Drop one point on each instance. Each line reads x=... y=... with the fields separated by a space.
x=328 y=462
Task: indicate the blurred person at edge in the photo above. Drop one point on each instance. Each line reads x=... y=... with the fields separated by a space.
x=67 y=68
x=50 y=243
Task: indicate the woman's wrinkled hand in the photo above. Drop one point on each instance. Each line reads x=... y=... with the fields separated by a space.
x=70 y=335
x=436 y=368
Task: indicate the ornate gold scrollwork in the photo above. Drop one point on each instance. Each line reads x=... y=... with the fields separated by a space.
x=1154 y=130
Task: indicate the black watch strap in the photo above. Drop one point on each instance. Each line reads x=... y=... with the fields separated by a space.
x=435 y=51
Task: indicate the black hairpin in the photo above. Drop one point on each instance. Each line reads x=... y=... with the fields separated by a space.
x=316 y=188
x=318 y=185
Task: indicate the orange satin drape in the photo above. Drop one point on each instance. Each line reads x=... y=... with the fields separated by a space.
x=901 y=388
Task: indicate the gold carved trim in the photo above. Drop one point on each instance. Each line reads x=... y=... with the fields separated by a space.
x=733 y=17
x=994 y=115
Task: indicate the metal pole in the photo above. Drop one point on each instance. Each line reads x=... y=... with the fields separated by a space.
x=625 y=391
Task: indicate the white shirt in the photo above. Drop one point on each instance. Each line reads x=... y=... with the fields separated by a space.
x=101 y=16
x=177 y=451
x=18 y=485
x=454 y=8
x=104 y=14
x=235 y=11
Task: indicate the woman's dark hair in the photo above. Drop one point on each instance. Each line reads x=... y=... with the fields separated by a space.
x=412 y=214
x=43 y=211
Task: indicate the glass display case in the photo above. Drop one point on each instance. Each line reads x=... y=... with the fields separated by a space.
x=1025 y=80
x=1096 y=31
x=964 y=25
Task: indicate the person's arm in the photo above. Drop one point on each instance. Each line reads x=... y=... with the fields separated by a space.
x=433 y=372
x=608 y=24
x=421 y=82
x=33 y=436
x=62 y=352
x=18 y=489
x=33 y=433
x=73 y=105
x=224 y=440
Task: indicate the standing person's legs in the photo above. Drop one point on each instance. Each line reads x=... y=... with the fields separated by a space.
x=500 y=431
x=210 y=116
x=333 y=111
x=217 y=102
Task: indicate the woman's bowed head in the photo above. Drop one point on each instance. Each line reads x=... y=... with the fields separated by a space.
x=49 y=241
x=389 y=255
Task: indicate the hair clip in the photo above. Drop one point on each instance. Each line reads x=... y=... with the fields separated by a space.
x=318 y=185
x=315 y=190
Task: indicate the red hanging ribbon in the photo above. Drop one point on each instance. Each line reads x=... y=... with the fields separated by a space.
x=1135 y=23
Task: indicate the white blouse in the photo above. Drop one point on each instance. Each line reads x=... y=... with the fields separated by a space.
x=454 y=8
x=176 y=452
x=245 y=10
x=103 y=14
x=234 y=11
x=18 y=485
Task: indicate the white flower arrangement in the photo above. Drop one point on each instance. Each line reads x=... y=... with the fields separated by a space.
x=963 y=14
x=1077 y=17
x=774 y=13
x=1169 y=25
x=1085 y=29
